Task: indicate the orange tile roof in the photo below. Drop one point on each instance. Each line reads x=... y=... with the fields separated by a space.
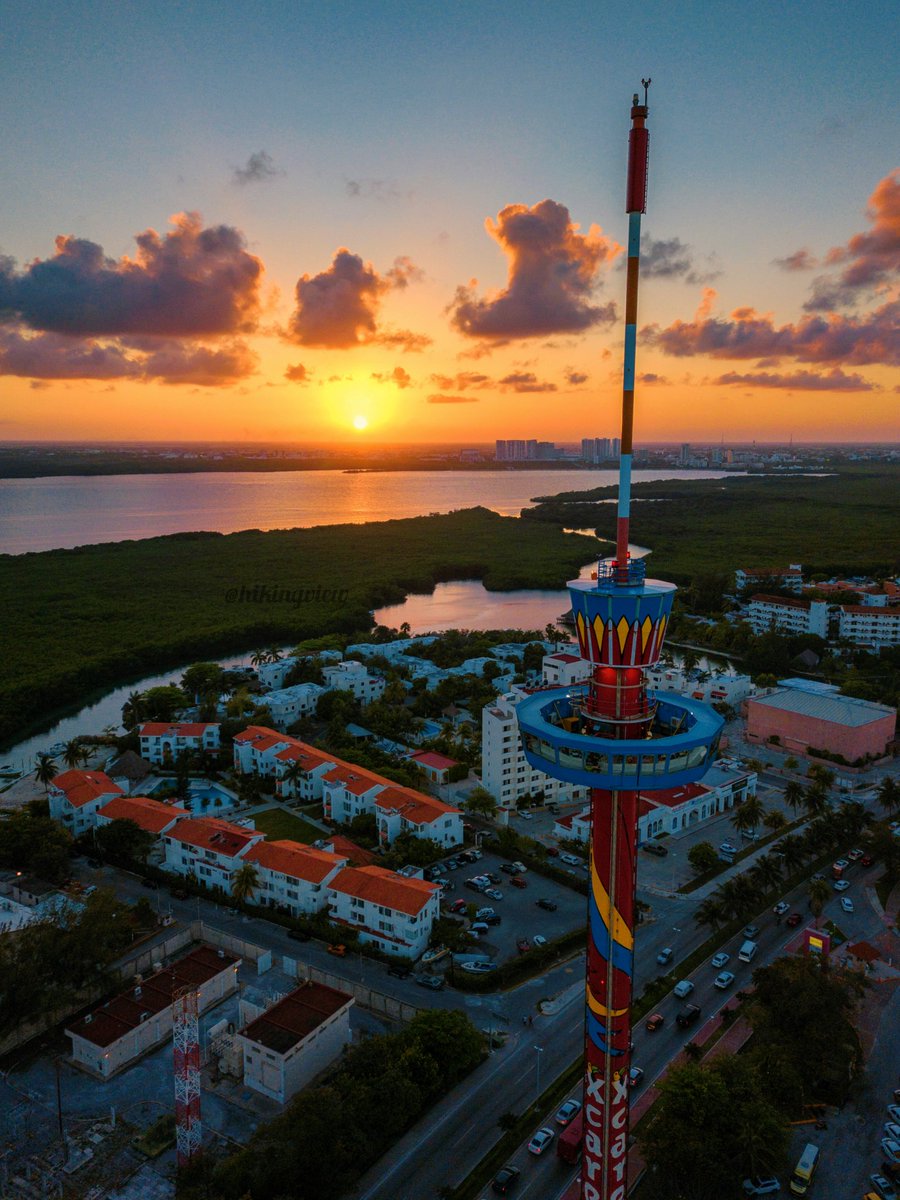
x=310 y=759
x=422 y=810
x=379 y=886
x=210 y=833
x=175 y=729
x=355 y=854
x=150 y=814
x=430 y=758
x=782 y=601
x=296 y=860
x=354 y=780
x=80 y=787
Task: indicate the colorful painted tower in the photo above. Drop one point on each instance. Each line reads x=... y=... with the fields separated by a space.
x=614 y=736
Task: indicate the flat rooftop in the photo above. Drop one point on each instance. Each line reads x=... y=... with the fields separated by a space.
x=296 y=1016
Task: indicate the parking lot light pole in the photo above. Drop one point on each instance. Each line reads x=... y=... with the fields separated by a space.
x=540 y=1051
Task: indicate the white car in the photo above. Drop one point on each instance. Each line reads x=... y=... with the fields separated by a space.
x=890 y=1148
x=846 y=904
x=538 y=940
x=540 y=1141
x=683 y=988
x=781 y=908
x=526 y=816
x=724 y=979
x=841 y=885
x=720 y=960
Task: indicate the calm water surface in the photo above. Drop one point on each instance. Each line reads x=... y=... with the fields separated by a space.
x=62 y=512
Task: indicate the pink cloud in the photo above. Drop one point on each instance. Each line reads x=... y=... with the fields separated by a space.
x=870 y=260
x=338 y=308
x=834 y=380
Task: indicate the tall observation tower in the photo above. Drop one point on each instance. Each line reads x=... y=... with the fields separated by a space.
x=615 y=737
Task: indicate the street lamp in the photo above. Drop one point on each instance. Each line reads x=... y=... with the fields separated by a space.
x=540 y=1051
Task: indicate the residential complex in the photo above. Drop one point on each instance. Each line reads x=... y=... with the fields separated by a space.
x=289 y=704
x=162 y=743
x=788 y=615
x=868 y=625
x=505 y=772
x=790 y=578
x=390 y=911
x=76 y=796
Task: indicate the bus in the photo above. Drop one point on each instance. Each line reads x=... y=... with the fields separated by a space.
x=805 y=1169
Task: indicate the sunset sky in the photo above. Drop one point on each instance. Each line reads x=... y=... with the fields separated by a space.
x=291 y=220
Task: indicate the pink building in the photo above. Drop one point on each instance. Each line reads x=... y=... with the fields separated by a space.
x=821 y=720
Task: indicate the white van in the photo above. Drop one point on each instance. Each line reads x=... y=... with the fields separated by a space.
x=747 y=952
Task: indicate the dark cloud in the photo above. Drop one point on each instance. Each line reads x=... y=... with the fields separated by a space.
x=871 y=338
x=525 y=381
x=462 y=380
x=405 y=340
x=553 y=270
x=649 y=377
x=869 y=260
x=398 y=376
x=404 y=271
x=297 y=373
x=338 y=308
x=439 y=398
x=671 y=258
x=55 y=356
x=800 y=260
x=193 y=282
x=259 y=168
x=575 y=377
x=802 y=381
x=376 y=189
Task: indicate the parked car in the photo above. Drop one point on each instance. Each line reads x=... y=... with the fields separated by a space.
x=496 y=919
x=520 y=867
x=433 y=982
x=724 y=979
x=553 y=851
x=540 y=1141
x=890 y=1148
x=781 y=908
x=688 y=1016
x=883 y=1187
x=720 y=960
x=482 y=913
x=519 y=882
x=458 y=906
x=525 y=815
x=522 y=944
x=568 y=1112
x=549 y=905
x=727 y=848
x=508 y=869
x=682 y=988
x=846 y=904
x=794 y=920
x=894 y=1112
x=762 y=1187
x=299 y=935
x=571 y=859
x=635 y=1075
x=452 y=864
x=505 y=1180
x=841 y=885
x=751 y=932
x=656 y=848
x=655 y=1021
x=665 y=955
x=494 y=893
x=338 y=949
x=538 y=940
x=892 y=1130
x=855 y=855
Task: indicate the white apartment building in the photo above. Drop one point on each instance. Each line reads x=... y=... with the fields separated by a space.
x=402 y=810
x=348 y=792
x=352 y=676
x=148 y=814
x=289 y=704
x=562 y=669
x=710 y=686
x=75 y=797
x=391 y=911
x=790 y=578
x=209 y=849
x=505 y=772
x=273 y=674
x=293 y=878
x=788 y=615
x=285 y=1047
x=162 y=742
x=869 y=626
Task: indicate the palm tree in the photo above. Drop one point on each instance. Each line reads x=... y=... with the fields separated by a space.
x=889 y=795
x=748 y=895
x=793 y=795
x=766 y=871
x=45 y=771
x=244 y=882
x=273 y=654
x=820 y=774
x=748 y=815
x=258 y=657
x=728 y=896
x=775 y=820
x=819 y=895
x=711 y=912
x=792 y=854
x=133 y=710
x=815 y=800
x=74 y=753
x=291 y=775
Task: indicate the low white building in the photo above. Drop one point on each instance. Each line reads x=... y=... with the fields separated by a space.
x=402 y=810
x=711 y=686
x=76 y=796
x=209 y=849
x=162 y=742
x=292 y=1042
x=151 y=815
x=293 y=878
x=866 y=625
x=562 y=669
x=289 y=704
x=352 y=676
x=505 y=772
x=787 y=615
x=273 y=674
x=140 y=1018
x=388 y=910
x=790 y=578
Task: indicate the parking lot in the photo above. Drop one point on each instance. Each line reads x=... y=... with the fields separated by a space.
x=518 y=910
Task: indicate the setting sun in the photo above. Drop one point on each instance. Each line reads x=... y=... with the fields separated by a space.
x=360 y=423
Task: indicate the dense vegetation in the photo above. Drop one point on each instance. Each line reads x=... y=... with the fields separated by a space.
x=73 y=620
x=841 y=522
x=329 y=1135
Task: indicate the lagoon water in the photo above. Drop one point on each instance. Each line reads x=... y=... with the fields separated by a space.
x=59 y=512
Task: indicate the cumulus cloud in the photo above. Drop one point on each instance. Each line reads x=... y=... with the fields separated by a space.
x=398 y=376
x=462 y=380
x=671 y=258
x=404 y=271
x=55 y=356
x=553 y=271
x=259 y=168
x=800 y=260
x=191 y=282
x=440 y=398
x=871 y=338
x=297 y=373
x=650 y=377
x=575 y=377
x=338 y=308
x=525 y=381
x=869 y=260
x=802 y=381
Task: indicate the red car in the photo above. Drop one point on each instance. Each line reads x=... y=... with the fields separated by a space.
x=522 y=944
x=518 y=881
x=793 y=920
x=866 y=860
x=553 y=852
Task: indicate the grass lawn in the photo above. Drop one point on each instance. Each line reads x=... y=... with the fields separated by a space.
x=278 y=823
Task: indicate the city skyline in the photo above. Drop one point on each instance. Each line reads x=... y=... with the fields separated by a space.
x=410 y=225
